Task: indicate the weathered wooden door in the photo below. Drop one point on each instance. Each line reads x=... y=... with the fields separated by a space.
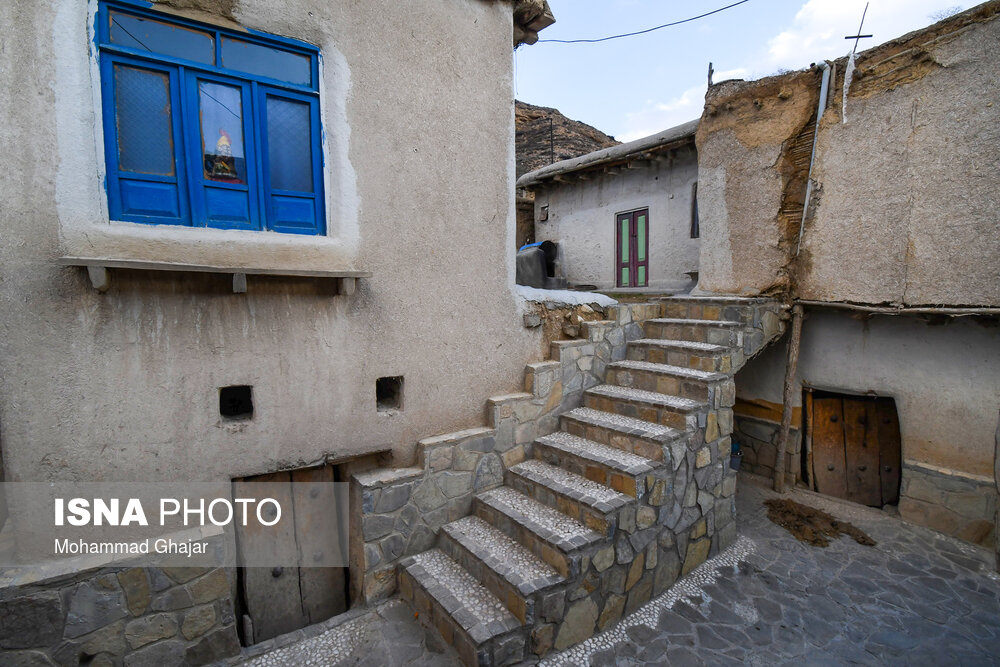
x=855 y=445
x=632 y=248
x=281 y=599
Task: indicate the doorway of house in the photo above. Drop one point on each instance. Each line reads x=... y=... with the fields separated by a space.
x=632 y=248
x=853 y=447
x=276 y=600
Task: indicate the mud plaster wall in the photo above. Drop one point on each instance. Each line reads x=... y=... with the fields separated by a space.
x=124 y=385
x=944 y=378
x=905 y=191
x=581 y=219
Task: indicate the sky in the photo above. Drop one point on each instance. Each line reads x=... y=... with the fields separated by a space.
x=637 y=86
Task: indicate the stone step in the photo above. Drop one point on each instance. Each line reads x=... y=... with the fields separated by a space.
x=468 y=616
x=507 y=569
x=701 y=356
x=593 y=504
x=716 y=332
x=673 y=411
x=714 y=307
x=645 y=439
x=548 y=533
x=665 y=379
x=610 y=466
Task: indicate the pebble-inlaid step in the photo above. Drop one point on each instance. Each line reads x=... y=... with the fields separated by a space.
x=646 y=439
x=595 y=505
x=663 y=378
x=716 y=332
x=673 y=411
x=598 y=462
x=468 y=616
x=686 y=353
x=548 y=533
x=504 y=567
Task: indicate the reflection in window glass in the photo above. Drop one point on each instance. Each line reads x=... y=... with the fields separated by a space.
x=265 y=61
x=289 y=145
x=142 y=118
x=162 y=38
x=222 y=132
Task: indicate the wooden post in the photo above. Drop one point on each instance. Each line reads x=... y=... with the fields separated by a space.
x=786 y=411
x=996 y=480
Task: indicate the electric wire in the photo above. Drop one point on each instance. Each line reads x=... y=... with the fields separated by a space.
x=641 y=32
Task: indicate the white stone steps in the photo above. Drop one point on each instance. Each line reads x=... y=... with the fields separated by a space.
x=507 y=569
x=673 y=411
x=723 y=324
x=643 y=438
x=548 y=533
x=593 y=504
x=467 y=615
x=665 y=379
x=597 y=453
x=684 y=353
x=715 y=332
x=621 y=470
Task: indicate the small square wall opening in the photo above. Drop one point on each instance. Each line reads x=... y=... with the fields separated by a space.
x=236 y=402
x=389 y=393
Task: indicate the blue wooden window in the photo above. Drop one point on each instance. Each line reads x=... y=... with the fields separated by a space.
x=207 y=127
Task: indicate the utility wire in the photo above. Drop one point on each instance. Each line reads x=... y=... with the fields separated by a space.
x=641 y=32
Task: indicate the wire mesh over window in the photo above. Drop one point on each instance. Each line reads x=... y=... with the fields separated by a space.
x=289 y=144
x=145 y=135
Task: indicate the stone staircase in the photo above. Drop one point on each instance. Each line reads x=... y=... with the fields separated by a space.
x=633 y=491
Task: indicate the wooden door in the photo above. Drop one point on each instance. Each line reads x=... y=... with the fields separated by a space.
x=279 y=599
x=856 y=453
x=632 y=248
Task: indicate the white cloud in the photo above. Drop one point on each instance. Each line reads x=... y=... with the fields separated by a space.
x=819 y=28
x=658 y=116
x=816 y=32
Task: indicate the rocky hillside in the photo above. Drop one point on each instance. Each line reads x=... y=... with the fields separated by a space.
x=570 y=138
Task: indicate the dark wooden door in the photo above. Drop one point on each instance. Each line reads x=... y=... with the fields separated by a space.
x=856 y=449
x=632 y=248
x=277 y=600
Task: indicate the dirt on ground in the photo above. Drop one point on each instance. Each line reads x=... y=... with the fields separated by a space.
x=812 y=526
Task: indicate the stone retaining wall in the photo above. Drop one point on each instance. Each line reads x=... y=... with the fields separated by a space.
x=959 y=505
x=758 y=440
x=120 y=616
x=400 y=510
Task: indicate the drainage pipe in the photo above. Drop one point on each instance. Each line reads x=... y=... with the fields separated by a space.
x=824 y=90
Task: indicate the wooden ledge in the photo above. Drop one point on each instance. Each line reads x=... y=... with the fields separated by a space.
x=97 y=269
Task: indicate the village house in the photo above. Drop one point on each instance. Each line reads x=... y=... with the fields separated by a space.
x=890 y=255
x=240 y=261
x=624 y=217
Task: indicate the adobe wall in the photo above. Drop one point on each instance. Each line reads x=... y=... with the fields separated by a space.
x=124 y=385
x=944 y=380
x=904 y=206
x=581 y=219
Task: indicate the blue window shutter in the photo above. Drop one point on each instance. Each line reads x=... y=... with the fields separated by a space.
x=187 y=124
x=220 y=143
x=143 y=145
x=291 y=161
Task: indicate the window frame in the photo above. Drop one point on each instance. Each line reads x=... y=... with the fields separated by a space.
x=633 y=263
x=184 y=76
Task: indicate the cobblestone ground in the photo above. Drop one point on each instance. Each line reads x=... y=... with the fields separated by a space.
x=384 y=637
x=916 y=598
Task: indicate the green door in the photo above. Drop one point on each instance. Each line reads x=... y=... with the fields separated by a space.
x=632 y=248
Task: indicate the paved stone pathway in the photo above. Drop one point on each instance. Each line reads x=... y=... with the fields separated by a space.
x=387 y=636
x=916 y=598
